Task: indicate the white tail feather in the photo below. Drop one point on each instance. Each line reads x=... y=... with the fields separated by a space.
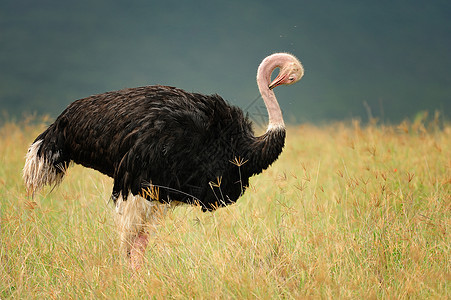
x=39 y=171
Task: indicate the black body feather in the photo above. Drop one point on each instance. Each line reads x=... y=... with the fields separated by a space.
x=193 y=148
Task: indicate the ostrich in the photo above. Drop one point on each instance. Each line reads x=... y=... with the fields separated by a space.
x=163 y=145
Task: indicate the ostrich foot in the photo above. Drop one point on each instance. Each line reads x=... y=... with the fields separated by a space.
x=138 y=250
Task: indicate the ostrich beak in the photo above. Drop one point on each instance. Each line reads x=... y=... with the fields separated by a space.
x=278 y=81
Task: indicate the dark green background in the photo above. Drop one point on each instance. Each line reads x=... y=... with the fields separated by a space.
x=392 y=57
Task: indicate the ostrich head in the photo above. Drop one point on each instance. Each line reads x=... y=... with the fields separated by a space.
x=290 y=72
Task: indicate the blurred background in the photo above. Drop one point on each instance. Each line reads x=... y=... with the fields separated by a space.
x=385 y=59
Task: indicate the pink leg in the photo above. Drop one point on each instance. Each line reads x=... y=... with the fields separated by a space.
x=137 y=251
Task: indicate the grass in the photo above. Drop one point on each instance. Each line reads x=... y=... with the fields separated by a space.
x=346 y=212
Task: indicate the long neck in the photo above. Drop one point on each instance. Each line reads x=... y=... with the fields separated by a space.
x=265 y=149
x=263 y=80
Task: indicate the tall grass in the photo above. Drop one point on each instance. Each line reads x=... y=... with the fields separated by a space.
x=346 y=212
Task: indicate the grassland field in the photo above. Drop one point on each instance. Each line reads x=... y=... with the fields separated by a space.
x=347 y=211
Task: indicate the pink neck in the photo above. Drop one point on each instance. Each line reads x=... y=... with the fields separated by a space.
x=263 y=80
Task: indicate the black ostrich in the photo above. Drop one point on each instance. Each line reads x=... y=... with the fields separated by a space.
x=163 y=144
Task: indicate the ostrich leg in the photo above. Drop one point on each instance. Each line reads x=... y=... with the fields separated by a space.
x=138 y=249
x=136 y=219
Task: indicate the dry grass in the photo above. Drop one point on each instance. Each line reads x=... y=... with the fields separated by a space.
x=346 y=212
